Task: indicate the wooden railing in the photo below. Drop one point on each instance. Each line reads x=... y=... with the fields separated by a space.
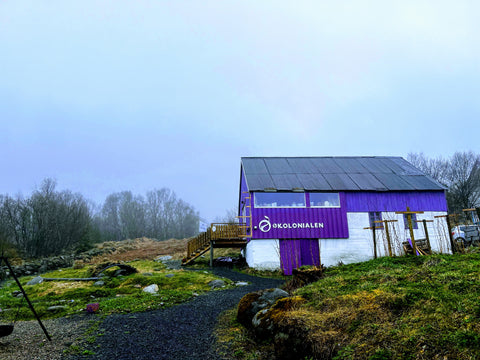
x=227 y=231
x=199 y=242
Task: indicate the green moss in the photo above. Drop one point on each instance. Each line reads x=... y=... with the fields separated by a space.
x=119 y=294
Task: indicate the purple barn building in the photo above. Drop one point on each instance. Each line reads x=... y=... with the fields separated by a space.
x=307 y=210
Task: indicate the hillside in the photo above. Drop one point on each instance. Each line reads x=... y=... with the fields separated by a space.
x=389 y=308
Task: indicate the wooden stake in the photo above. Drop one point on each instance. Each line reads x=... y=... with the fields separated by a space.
x=374 y=240
x=426 y=235
x=387 y=232
x=211 y=253
x=410 y=226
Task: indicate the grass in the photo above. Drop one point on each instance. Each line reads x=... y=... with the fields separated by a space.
x=388 y=308
x=119 y=294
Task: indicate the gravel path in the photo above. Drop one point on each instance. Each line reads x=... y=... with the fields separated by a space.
x=180 y=332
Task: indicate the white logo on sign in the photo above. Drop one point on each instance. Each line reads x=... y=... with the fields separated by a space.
x=265 y=225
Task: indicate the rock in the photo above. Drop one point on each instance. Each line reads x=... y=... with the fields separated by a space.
x=99 y=283
x=252 y=303
x=216 y=284
x=164 y=258
x=119 y=272
x=151 y=289
x=169 y=275
x=173 y=264
x=35 y=281
x=56 y=308
x=17 y=293
x=241 y=283
x=147 y=274
x=265 y=322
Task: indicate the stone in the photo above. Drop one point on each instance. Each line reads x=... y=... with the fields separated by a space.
x=56 y=308
x=119 y=272
x=151 y=289
x=99 y=283
x=254 y=302
x=169 y=275
x=241 y=283
x=216 y=284
x=164 y=258
x=147 y=274
x=35 y=281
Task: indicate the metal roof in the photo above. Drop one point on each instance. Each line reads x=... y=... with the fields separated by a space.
x=377 y=173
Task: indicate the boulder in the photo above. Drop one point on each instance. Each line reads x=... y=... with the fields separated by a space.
x=216 y=284
x=254 y=302
x=151 y=289
x=169 y=275
x=163 y=258
x=56 y=308
x=35 y=281
x=99 y=283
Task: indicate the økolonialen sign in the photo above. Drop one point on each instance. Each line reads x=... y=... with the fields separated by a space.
x=266 y=225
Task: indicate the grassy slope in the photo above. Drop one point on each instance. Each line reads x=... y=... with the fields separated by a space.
x=389 y=308
x=407 y=307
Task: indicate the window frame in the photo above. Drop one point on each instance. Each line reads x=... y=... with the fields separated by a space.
x=304 y=206
x=375 y=216
x=414 y=221
x=324 y=206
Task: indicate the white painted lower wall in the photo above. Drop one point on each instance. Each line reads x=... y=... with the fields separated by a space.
x=265 y=254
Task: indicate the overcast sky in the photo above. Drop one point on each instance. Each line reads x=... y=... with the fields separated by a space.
x=106 y=96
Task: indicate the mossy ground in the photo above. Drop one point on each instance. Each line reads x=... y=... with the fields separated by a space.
x=389 y=308
x=118 y=295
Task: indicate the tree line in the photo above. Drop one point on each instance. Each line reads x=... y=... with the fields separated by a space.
x=460 y=174
x=50 y=222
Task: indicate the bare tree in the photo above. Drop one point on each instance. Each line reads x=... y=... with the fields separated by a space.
x=230 y=216
x=48 y=222
x=460 y=174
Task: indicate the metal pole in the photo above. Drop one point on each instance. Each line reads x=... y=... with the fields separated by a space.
x=26 y=297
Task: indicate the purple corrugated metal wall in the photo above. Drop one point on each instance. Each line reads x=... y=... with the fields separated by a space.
x=395 y=201
x=300 y=223
x=295 y=253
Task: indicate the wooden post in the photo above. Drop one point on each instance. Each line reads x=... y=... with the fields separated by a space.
x=387 y=233
x=211 y=253
x=374 y=239
x=427 y=238
x=452 y=243
x=410 y=226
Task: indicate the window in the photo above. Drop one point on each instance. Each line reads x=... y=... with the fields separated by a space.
x=375 y=216
x=277 y=199
x=414 y=221
x=324 y=200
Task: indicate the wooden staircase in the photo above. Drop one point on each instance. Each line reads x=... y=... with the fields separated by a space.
x=220 y=235
x=216 y=236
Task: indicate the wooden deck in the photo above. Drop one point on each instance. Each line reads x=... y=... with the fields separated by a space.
x=217 y=236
